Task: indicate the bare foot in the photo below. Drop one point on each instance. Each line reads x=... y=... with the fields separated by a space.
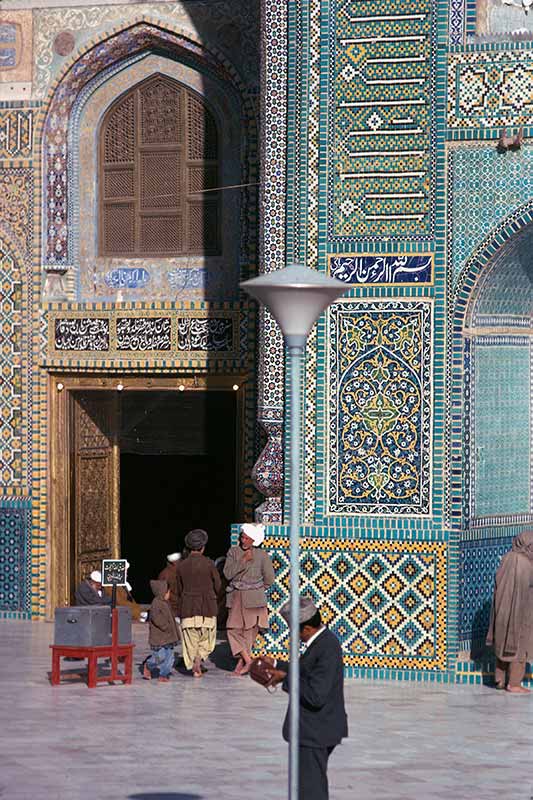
x=518 y=690
x=197 y=667
x=239 y=667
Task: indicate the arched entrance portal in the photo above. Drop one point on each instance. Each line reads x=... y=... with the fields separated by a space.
x=497 y=426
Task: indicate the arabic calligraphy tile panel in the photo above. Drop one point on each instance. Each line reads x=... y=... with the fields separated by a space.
x=15 y=531
x=214 y=334
x=490 y=90
x=386 y=601
x=382 y=269
x=379 y=418
x=382 y=141
x=16 y=50
x=144 y=333
x=147 y=333
x=82 y=333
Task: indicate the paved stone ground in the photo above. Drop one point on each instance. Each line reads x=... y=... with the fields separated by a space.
x=220 y=737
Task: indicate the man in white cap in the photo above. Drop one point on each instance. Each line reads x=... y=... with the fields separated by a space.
x=89 y=592
x=323 y=721
x=168 y=574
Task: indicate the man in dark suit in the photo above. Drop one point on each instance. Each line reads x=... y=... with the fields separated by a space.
x=323 y=722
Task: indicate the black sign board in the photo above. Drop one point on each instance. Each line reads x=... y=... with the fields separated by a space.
x=114 y=572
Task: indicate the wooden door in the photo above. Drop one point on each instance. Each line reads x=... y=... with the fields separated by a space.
x=95 y=464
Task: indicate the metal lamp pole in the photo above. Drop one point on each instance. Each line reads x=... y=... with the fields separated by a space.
x=295 y=296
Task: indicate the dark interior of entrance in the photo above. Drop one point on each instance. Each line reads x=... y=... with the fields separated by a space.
x=178 y=470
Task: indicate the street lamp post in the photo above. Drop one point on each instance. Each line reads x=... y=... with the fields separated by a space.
x=295 y=296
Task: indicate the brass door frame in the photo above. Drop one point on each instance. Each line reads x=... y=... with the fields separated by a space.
x=60 y=387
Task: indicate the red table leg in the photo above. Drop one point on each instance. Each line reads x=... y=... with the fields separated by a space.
x=91 y=670
x=128 y=666
x=55 y=668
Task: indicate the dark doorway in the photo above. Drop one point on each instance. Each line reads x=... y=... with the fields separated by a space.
x=178 y=470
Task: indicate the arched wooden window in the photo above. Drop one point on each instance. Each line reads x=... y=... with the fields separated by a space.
x=158 y=151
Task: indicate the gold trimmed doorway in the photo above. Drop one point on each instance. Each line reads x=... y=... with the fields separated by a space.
x=86 y=438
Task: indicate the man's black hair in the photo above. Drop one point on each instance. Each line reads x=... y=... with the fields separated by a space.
x=314 y=622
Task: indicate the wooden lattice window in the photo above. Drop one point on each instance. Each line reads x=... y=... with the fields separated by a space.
x=158 y=154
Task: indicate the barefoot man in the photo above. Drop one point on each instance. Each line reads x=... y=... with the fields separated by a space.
x=249 y=572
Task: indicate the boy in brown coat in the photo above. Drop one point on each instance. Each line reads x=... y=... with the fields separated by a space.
x=163 y=634
x=198 y=583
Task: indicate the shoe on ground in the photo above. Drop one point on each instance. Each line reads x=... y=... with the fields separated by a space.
x=163 y=679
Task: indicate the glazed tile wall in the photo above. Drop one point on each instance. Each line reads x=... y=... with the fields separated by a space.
x=490 y=90
x=382 y=133
x=486 y=188
x=478 y=564
x=379 y=401
x=15 y=567
x=502 y=428
x=385 y=600
x=201 y=336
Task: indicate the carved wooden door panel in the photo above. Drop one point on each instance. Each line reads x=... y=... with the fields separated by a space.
x=95 y=481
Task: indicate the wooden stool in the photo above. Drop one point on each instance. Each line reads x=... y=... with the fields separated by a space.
x=92 y=654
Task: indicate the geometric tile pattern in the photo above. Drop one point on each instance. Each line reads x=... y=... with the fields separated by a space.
x=485 y=188
x=456 y=21
x=488 y=90
x=379 y=424
x=11 y=359
x=16 y=133
x=382 y=137
x=385 y=601
x=15 y=528
x=479 y=561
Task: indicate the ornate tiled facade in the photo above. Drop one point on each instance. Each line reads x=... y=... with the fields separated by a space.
x=378 y=163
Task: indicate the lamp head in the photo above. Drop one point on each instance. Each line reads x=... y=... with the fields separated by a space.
x=295 y=296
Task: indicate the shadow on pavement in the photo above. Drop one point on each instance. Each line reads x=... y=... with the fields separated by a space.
x=164 y=796
x=221 y=657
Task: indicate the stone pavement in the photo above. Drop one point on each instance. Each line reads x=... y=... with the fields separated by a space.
x=219 y=738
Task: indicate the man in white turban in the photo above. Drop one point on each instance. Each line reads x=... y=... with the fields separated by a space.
x=249 y=572
x=89 y=592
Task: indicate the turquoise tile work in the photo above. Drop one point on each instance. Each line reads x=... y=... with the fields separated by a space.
x=487 y=187
x=383 y=131
x=502 y=429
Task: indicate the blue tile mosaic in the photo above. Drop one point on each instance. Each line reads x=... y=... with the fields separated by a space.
x=15 y=530
x=486 y=187
x=382 y=134
x=502 y=428
x=479 y=561
x=379 y=407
